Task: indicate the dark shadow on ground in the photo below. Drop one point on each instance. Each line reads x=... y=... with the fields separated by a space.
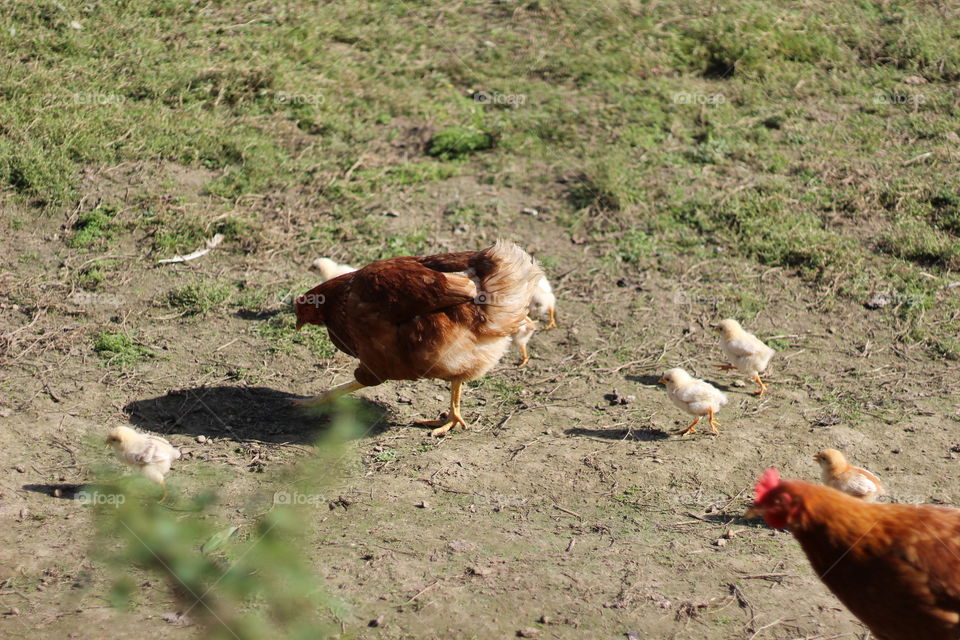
x=257 y=314
x=639 y=435
x=247 y=413
x=67 y=491
x=647 y=380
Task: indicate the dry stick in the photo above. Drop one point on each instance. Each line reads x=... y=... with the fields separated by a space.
x=423 y=591
x=568 y=511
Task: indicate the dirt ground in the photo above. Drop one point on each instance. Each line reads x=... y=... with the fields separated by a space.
x=568 y=510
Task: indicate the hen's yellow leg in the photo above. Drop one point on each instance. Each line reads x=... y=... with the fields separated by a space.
x=329 y=396
x=451 y=419
x=713 y=423
x=690 y=429
x=525 y=358
x=553 y=320
x=763 y=387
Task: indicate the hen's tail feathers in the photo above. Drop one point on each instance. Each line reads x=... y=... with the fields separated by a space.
x=506 y=289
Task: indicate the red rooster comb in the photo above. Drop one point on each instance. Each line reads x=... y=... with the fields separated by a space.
x=769 y=480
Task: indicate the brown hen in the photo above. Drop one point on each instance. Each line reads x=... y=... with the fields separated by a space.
x=895 y=566
x=447 y=316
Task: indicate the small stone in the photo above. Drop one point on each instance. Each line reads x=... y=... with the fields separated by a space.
x=423 y=504
x=201 y=439
x=897 y=450
x=955 y=448
x=529 y=211
x=390 y=213
x=13 y=612
x=57 y=493
x=528 y=632
x=738 y=383
x=376 y=622
x=479 y=571
x=914 y=80
x=404 y=399
x=544 y=619
x=20 y=468
x=720 y=542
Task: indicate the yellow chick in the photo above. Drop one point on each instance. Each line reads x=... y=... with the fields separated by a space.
x=152 y=455
x=836 y=472
x=328 y=269
x=543 y=302
x=744 y=351
x=696 y=397
x=522 y=337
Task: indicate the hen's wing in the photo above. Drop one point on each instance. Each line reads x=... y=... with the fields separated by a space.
x=403 y=288
x=933 y=549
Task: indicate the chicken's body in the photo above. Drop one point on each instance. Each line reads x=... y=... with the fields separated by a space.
x=544 y=303
x=695 y=396
x=448 y=316
x=744 y=351
x=151 y=455
x=895 y=566
x=836 y=472
x=522 y=337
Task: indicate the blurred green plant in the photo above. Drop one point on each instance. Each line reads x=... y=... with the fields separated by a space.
x=237 y=580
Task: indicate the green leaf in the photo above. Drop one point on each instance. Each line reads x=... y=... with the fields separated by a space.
x=217 y=540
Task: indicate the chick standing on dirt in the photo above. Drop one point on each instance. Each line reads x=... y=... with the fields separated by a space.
x=744 y=351
x=152 y=455
x=543 y=302
x=696 y=397
x=522 y=337
x=836 y=472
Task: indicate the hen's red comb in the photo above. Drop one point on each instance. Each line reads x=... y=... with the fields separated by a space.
x=769 y=480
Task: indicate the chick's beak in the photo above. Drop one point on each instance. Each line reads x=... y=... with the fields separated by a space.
x=662 y=381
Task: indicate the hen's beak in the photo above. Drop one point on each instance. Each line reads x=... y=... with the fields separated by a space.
x=753 y=512
x=300 y=324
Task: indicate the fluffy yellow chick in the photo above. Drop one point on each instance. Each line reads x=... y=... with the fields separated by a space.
x=328 y=269
x=152 y=455
x=522 y=337
x=836 y=472
x=744 y=351
x=696 y=397
x=543 y=302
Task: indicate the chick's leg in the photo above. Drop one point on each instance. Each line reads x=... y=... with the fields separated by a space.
x=713 y=423
x=453 y=418
x=763 y=387
x=526 y=357
x=691 y=428
x=329 y=396
x=553 y=320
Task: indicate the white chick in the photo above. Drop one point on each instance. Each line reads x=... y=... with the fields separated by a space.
x=836 y=472
x=543 y=302
x=696 y=397
x=744 y=351
x=329 y=269
x=522 y=337
x=152 y=455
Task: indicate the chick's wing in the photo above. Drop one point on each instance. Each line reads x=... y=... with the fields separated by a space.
x=697 y=391
x=745 y=345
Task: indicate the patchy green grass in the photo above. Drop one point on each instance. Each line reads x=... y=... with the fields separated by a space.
x=281 y=335
x=93 y=227
x=198 y=298
x=118 y=349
